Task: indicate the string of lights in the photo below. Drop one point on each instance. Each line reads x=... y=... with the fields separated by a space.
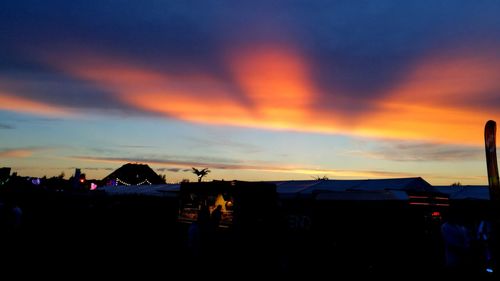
x=128 y=184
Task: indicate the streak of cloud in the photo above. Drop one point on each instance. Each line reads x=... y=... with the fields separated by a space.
x=20 y=152
x=410 y=151
x=254 y=167
x=6 y=126
x=18 y=104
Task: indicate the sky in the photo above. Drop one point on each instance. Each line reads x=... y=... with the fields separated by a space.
x=252 y=90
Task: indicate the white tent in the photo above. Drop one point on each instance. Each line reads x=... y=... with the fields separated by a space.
x=161 y=190
x=477 y=192
x=370 y=189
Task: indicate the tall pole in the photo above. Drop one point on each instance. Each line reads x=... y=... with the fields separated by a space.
x=76 y=179
x=490 y=131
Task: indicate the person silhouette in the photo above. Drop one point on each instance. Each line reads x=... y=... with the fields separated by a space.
x=10 y=216
x=197 y=233
x=458 y=234
x=216 y=216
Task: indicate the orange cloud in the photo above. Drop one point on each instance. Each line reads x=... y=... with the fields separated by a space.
x=272 y=88
x=275 y=84
x=13 y=103
x=17 y=153
x=194 y=97
x=440 y=100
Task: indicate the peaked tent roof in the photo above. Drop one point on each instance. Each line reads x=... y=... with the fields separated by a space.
x=134 y=174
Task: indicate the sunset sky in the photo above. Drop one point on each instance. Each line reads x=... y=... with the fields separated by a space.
x=254 y=90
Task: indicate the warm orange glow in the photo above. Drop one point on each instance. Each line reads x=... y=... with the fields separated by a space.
x=212 y=110
x=278 y=168
x=192 y=97
x=275 y=91
x=13 y=103
x=450 y=79
x=415 y=121
x=342 y=173
x=276 y=82
x=16 y=153
x=438 y=100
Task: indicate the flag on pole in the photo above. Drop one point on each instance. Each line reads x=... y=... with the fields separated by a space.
x=490 y=131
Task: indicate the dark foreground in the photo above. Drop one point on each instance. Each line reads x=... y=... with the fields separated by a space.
x=98 y=236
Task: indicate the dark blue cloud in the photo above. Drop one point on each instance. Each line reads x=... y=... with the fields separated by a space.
x=58 y=89
x=358 y=49
x=363 y=47
x=6 y=126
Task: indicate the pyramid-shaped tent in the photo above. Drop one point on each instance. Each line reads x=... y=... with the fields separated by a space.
x=133 y=174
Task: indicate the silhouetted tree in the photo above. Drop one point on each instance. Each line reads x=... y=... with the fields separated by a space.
x=200 y=173
x=456 y=184
x=323 y=178
x=163 y=177
x=61 y=175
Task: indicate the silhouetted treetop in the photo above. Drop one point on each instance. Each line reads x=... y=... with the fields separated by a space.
x=200 y=173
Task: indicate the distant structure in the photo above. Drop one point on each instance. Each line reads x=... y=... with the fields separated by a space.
x=133 y=174
x=4 y=174
x=76 y=178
